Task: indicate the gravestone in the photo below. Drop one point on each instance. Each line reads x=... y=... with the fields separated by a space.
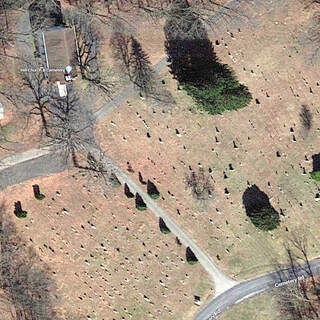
x=1 y=111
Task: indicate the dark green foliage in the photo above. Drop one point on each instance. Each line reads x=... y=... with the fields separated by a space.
x=140 y=204
x=259 y=209
x=36 y=192
x=194 y=64
x=40 y=197
x=163 y=227
x=152 y=190
x=18 y=210
x=127 y=191
x=315 y=175
x=190 y=256
x=266 y=218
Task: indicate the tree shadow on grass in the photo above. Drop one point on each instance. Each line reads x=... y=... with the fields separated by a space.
x=26 y=287
x=190 y=256
x=259 y=209
x=316 y=162
x=194 y=64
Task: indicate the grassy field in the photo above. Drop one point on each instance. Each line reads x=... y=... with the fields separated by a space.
x=265 y=144
x=109 y=260
x=260 y=307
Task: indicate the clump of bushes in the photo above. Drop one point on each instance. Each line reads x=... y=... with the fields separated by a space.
x=191 y=258
x=140 y=204
x=152 y=190
x=37 y=194
x=114 y=181
x=222 y=93
x=163 y=227
x=259 y=209
x=193 y=62
x=18 y=210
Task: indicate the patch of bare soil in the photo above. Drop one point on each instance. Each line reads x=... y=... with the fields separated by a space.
x=109 y=260
x=264 y=144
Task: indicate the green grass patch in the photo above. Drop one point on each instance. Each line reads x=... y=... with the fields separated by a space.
x=21 y=214
x=154 y=196
x=141 y=208
x=192 y=262
x=40 y=197
x=165 y=230
x=315 y=175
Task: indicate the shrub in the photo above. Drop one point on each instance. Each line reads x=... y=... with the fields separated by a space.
x=40 y=196
x=114 y=181
x=315 y=175
x=141 y=208
x=265 y=218
x=18 y=210
x=163 y=227
x=191 y=258
x=140 y=204
x=152 y=190
x=165 y=230
x=223 y=93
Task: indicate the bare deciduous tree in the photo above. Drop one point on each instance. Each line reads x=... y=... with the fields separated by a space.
x=299 y=300
x=120 y=43
x=70 y=127
x=88 y=39
x=27 y=291
x=200 y=184
x=306 y=117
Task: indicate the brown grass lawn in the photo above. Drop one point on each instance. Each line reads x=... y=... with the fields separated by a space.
x=260 y=307
x=107 y=255
x=269 y=60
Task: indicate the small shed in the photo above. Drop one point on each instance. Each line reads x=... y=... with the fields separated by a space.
x=60 y=49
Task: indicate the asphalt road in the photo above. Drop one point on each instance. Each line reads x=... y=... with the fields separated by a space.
x=246 y=289
x=40 y=165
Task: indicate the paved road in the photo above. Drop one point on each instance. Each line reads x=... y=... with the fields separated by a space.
x=30 y=165
x=251 y=287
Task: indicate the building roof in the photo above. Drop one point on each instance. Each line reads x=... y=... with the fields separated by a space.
x=60 y=51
